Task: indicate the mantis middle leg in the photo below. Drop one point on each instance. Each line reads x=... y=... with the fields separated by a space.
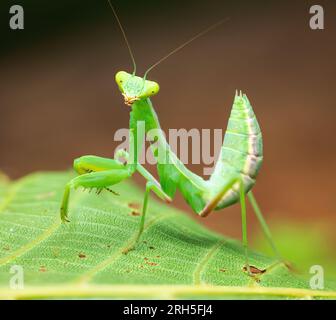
x=150 y=186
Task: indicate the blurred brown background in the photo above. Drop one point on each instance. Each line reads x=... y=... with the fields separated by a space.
x=58 y=99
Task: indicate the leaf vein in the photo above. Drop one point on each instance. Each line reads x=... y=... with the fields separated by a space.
x=87 y=276
x=197 y=275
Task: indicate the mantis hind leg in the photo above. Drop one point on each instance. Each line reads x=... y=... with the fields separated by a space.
x=263 y=224
x=214 y=202
x=244 y=226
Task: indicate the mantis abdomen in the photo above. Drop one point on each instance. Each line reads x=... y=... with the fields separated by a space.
x=241 y=154
x=240 y=158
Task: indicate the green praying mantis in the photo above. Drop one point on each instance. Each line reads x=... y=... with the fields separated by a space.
x=233 y=177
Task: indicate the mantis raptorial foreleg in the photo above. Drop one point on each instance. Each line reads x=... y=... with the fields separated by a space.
x=99 y=180
x=101 y=173
x=94 y=172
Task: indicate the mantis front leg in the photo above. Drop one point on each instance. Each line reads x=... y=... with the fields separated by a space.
x=101 y=173
x=99 y=180
x=94 y=172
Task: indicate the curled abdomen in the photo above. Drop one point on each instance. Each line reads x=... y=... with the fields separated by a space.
x=241 y=154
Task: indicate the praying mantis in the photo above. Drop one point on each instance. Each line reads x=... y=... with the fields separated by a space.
x=233 y=177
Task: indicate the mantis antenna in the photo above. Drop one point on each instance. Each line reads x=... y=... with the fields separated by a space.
x=124 y=35
x=212 y=27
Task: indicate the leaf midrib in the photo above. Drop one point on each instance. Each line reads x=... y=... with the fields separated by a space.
x=160 y=291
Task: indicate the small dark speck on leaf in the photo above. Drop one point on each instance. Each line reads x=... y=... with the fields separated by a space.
x=82 y=255
x=135 y=208
x=222 y=270
x=43 y=269
x=255 y=270
x=127 y=250
x=151 y=247
x=145 y=259
x=144 y=241
x=152 y=263
x=158 y=256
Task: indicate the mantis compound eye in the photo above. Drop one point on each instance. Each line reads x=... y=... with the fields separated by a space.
x=151 y=88
x=121 y=79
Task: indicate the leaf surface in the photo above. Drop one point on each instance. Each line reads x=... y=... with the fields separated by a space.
x=176 y=257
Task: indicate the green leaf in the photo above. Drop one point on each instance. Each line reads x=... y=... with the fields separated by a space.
x=176 y=257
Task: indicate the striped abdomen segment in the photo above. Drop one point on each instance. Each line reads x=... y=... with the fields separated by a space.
x=241 y=154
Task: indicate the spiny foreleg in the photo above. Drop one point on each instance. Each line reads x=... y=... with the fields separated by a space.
x=100 y=180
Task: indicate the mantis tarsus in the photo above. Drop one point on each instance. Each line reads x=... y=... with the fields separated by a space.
x=233 y=177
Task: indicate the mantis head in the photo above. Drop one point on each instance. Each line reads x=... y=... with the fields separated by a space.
x=135 y=88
